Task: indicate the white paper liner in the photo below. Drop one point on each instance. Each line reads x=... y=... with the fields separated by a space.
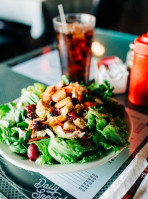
x=123 y=183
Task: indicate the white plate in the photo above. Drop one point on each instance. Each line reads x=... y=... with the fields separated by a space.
x=60 y=168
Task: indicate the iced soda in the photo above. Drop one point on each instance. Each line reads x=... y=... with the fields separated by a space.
x=74 y=41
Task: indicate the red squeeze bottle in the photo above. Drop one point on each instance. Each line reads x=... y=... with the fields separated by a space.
x=138 y=87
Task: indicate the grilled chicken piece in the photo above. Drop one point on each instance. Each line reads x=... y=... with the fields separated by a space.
x=46 y=96
x=79 y=108
x=63 y=102
x=67 y=108
x=68 y=126
x=59 y=95
x=42 y=106
x=55 y=120
x=80 y=123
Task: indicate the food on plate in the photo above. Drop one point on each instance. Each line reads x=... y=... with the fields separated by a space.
x=64 y=124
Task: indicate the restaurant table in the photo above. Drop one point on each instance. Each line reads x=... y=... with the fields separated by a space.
x=39 y=65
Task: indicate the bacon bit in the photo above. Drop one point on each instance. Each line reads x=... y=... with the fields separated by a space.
x=60 y=124
x=38 y=138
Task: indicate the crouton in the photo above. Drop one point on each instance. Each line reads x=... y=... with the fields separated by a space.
x=80 y=123
x=63 y=102
x=59 y=95
x=46 y=96
x=55 y=120
x=67 y=108
x=79 y=108
x=41 y=105
x=68 y=126
x=50 y=109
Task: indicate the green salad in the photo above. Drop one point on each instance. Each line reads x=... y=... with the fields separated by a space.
x=64 y=124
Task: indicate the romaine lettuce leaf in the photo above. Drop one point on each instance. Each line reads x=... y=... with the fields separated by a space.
x=15 y=138
x=45 y=157
x=66 y=151
x=108 y=132
x=92 y=155
x=101 y=124
x=115 y=134
x=100 y=140
x=102 y=91
x=32 y=94
x=10 y=114
x=91 y=121
x=37 y=89
x=7 y=113
x=22 y=135
x=20 y=114
x=1 y=138
x=23 y=125
x=96 y=120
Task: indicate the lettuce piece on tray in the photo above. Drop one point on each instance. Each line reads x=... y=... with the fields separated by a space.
x=32 y=94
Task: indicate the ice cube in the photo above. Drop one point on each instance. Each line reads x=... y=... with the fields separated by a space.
x=77 y=28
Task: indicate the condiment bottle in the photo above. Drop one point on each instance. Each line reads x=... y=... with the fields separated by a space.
x=138 y=87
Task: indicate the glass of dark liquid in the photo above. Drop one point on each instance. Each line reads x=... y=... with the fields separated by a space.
x=74 y=39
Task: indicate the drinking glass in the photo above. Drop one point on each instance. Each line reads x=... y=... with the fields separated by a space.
x=74 y=39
